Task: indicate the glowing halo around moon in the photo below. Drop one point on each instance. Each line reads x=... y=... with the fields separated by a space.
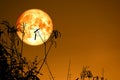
x=34 y=27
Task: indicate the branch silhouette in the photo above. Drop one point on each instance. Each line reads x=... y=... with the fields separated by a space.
x=12 y=63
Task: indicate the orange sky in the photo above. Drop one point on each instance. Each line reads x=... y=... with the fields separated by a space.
x=90 y=35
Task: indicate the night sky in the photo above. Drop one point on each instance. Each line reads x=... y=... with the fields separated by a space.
x=90 y=35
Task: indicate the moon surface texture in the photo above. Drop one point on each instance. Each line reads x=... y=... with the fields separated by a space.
x=34 y=27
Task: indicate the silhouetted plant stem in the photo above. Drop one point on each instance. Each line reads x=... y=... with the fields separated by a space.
x=49 y=70
x=68 y=75
x=46 y=54
x=22 y=38
x=22 y=46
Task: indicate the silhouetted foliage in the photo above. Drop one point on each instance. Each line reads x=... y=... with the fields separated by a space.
x=86 y=73
x=12 y=63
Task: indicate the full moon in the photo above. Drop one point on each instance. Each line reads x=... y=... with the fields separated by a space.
x=34 y=27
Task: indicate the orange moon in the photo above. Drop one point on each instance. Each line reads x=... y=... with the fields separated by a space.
x=34 y=27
